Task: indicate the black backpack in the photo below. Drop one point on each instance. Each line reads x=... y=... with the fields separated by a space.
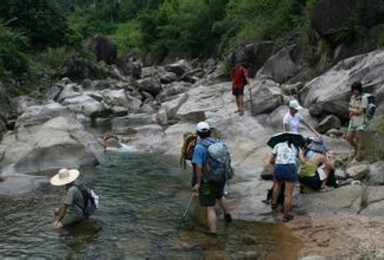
x=90 y=203
x=371 y=106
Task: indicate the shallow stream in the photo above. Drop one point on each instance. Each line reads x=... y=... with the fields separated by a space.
x=143 y=197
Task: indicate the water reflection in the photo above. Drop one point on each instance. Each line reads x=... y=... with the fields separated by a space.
x=143 y=197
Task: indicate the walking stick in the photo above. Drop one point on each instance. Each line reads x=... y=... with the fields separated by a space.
x=250 y=97
x=187 y=207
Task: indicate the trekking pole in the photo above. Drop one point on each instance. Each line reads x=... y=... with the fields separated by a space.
x=189 y=204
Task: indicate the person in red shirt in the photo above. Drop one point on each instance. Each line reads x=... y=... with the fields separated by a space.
x=239 y=76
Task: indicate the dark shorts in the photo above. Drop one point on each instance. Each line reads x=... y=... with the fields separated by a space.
x=286 y=172
x=238 y=91
x=313 y=182
x=208 y=196
x=70 y=219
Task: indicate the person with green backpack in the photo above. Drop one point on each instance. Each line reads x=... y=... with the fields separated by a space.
x=212 y=162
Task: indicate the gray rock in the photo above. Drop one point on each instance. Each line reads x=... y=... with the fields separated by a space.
x=376 y=174
x=340 y=174
x=358 y=172
x=266 y=96
x=151 y=85
x=329 y=122
x=180 y=67
x=281 y=66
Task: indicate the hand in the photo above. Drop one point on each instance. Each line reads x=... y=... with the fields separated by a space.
x=196 y=188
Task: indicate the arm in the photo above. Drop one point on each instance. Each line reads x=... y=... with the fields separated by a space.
x=199 y=174
x=302 y=156
x=62 y=211
x=286 y=127
x=356 y=111
x=271 y=159
x=328 y=163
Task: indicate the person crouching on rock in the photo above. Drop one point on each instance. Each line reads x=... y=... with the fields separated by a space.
x=71 y=210
x=316 y=168
x=284 y=158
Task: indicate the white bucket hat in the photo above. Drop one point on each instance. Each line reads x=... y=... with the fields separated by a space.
x=294 y=104
x=64 y=176
x=202 y=127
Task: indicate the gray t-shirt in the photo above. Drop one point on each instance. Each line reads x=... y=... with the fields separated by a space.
x=74 y=199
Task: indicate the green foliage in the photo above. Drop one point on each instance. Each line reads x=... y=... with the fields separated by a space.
x=128 y=36
x=38 y=19
x=13 y=60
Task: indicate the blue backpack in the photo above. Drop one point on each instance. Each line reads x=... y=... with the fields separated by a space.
x=371 y=106
x=217 y=166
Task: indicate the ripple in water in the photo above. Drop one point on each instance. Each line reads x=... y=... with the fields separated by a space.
x=143 y=197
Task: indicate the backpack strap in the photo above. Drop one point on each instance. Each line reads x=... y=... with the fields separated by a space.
x=85 y=194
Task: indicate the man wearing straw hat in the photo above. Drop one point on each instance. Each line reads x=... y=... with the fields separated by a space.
x=71 y=210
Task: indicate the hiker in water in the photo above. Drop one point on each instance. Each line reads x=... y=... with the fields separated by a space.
x=72 y=210
x=239 y=76
x=316 y=169
x=357 y=122
x=293 y=118
x=284 y=159
x=209 y=190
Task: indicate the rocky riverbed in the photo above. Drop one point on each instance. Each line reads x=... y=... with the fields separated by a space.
x=63 y=127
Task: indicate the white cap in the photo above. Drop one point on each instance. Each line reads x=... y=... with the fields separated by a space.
x=202 y=127
x=294 y=104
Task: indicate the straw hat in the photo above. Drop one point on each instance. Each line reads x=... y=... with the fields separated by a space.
x=64 y=176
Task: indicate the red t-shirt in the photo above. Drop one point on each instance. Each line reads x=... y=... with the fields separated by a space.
x=238 y=75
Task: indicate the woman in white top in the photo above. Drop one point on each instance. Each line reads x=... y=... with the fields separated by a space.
x=284 y=158
x=293 y=118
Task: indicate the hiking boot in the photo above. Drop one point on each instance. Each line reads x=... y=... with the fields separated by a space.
x=228 y=218
x=241 y=112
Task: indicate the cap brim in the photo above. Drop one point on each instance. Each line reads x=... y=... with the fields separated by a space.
x=73 y=175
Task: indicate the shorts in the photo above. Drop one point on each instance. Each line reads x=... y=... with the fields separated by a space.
x=238 y=91
x=208 y=196
x=312 y=182
x=357 y=127
x=70 y=219
x=286 y=172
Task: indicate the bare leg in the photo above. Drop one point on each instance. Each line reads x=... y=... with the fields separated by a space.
x=241 y=102
x=276 y=193
x=222 y=206
x=350 y=136
x=359 y=144
x=289 y=186
x=237 y=102
x=211 y=218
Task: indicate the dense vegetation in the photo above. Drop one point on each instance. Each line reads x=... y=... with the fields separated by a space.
x=36 y=35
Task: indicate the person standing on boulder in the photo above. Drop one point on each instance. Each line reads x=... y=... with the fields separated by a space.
x=208 y=191
x=239 y=76
x=357 y=123
x=293 y=118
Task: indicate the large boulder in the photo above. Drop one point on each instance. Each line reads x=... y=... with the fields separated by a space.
x=180 y=67
x=35 y=115
x=104 y=49
x=86 y=105
x=59 y=142
x=331 y=16
x=151 y=85
x=282 y=66
x=77 y=67
x=266 y=96
x=330 y=92
x=253 y=55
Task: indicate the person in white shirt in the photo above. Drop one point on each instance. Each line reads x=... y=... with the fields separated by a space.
x=293 y=118
x=285 y=171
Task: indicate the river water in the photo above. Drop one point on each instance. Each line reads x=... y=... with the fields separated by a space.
x=143 y=197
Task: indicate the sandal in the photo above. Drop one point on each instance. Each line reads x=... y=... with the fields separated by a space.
x=287 y=218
